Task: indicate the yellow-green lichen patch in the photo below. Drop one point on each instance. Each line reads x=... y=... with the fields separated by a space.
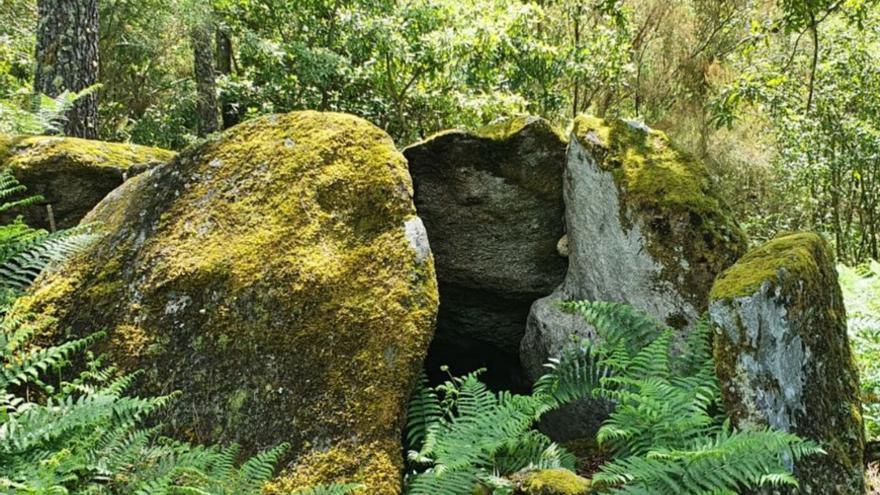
x=648 y=168
x=38 y=150
x=669 y=194
x=794 y=253
x=552 y=482
x=275 y=260
x=506 y=128
x=373 y=466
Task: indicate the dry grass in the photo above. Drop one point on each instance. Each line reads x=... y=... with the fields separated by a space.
x=872 y=479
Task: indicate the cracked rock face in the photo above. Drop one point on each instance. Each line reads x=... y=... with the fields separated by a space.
x=279 y=278
x=643 y=228
x=491 y=201
x=783 y=359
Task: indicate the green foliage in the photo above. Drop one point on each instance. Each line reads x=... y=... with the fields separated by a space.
x=17 y=25
x=462 y=435
x=25 y=252
x=85 y=435
x=815 y=82
x=861 y=293
x=27 y=113
x=665 y=432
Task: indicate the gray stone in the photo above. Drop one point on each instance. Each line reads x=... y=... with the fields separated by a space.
x=783 y=360
x=644 y=228
x=73 y=175
x=491 y=201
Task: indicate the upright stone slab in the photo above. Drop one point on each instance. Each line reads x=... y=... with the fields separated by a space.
x=73 y=175
x=279 y=278
x=644 y=228
x=783 y=359
x=492 y=204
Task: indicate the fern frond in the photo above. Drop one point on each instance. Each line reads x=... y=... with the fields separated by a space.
x=18 y=270
x=423 y=413
x=617 y=322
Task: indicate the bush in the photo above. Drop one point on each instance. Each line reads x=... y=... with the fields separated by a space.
x=861 y=293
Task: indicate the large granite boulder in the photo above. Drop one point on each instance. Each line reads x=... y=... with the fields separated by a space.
x=71 y=174
x=783 y=359
x=278 y=276
x=492 y=204
x=644 y=228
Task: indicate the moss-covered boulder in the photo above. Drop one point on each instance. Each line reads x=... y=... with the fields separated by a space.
x=783 y=359
x=644 y=228
x=279 y=278
x=550 y=482
x=72 y=174
x=492 y=204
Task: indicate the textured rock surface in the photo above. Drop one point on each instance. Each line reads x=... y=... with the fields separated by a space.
x=644 y=228
x=783 y=359
x=492 y=204
x=72 y=174
x=279 y=278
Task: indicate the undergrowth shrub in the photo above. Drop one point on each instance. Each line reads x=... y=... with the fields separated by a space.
x=861 y=293
x=29 y=113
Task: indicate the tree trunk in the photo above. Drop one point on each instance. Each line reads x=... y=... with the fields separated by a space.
x=206 y=84
x=67 y=59
x=224 y=67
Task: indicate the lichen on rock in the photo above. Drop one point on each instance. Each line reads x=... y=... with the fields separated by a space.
x=783 y=359
x=550 y=482
x=491 y=200
x=71 y=174
x=279 y=278
x=644 y=227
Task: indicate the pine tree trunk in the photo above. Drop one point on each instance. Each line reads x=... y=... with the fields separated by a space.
x=224 y=67
x=206 y=83
x=67 y=58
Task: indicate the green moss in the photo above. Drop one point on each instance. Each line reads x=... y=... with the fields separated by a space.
x=793 y=275
x=272 y=259
x=553 y=482
x=37 y=150
x=794 y=253
x=648 y=167
x=670 y=195
x=506 y=128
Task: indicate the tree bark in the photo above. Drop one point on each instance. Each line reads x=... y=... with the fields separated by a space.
x=207 y=111
x=225 y=64
x=67 y=59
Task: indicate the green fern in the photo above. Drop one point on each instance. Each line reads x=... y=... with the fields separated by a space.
x=38 y=113
x=662 y=432
x=26 y=252
x=462 y=436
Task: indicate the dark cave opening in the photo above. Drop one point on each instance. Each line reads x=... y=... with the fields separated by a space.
x=502 y=368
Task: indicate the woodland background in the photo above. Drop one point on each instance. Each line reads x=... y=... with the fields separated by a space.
x=778 y=97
